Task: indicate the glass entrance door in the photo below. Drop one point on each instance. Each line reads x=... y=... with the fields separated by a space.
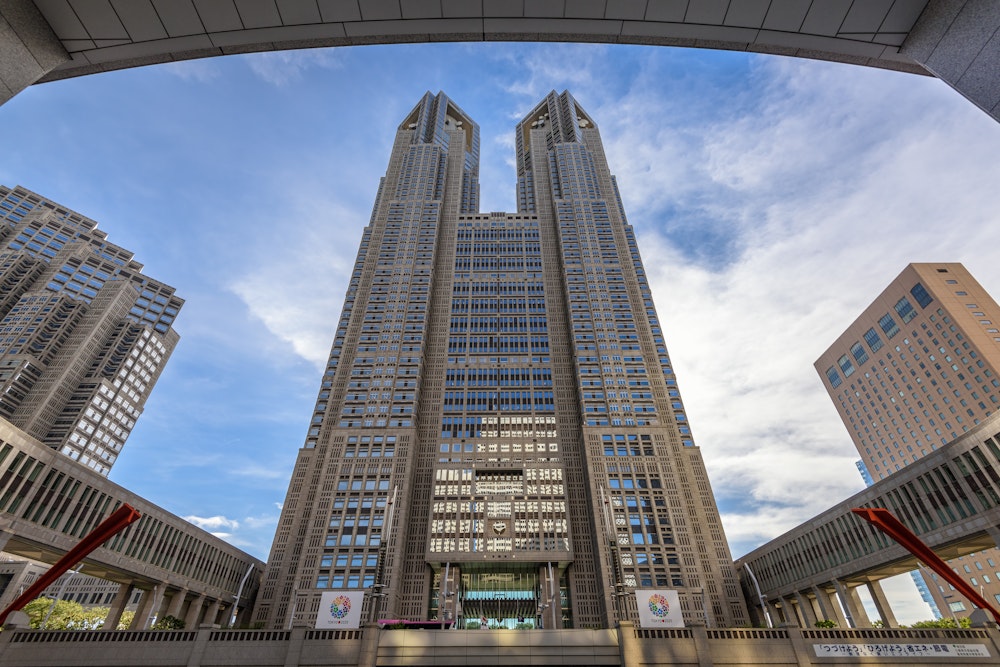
x=498 y=598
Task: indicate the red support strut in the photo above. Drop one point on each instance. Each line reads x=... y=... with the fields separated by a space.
x=119 y=519
x=884 y=520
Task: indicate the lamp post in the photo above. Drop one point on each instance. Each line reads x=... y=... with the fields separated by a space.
x=239 y=592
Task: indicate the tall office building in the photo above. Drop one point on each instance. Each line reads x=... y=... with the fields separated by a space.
x=508 y=374
x=920 y=366
x=84 y=334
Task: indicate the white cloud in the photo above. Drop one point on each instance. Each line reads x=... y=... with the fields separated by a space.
x=281 y=68
x=213 y=523
x=287 y=282
x=200 y=71
x=827 y=185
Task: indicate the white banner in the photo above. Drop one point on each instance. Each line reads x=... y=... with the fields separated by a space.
x=659 y=609
x=340 y=610
x=933 y=651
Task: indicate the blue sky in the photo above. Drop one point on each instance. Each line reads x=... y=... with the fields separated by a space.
x=773 y=199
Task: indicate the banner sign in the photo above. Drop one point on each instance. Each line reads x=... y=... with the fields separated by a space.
x=659 y=608
x=932 y=651
x=340 y=610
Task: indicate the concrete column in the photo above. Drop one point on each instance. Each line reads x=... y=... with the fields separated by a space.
x=857 y=617
x=994 y=532
x=28 y=48
x=628 y=645
x=212 y=615
x=959 y=42
x=826 y=607
x=296 y=638
x=806 y=610
x=149 y=603
x=117 y=607
x=700 y=635
x=176 y=604
x=882 y=604
x=803 y=656
x=200 y=645
x=792 y=616
x=193 y=617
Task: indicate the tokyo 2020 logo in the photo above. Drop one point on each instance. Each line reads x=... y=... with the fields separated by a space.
x=341 y=606
x=658 y=605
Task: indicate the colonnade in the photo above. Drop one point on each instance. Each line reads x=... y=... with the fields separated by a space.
x=162 y=600
x=834 y=601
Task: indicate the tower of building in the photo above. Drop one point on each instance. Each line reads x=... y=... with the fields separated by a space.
x=504 y=378
x=84 y=334
x=920 y=366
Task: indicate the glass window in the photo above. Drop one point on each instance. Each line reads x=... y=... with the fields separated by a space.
x=905 y=310
x=833 y=376
x=920 y=294
x=845 y=365
x=859 y=353
x=873 y=340
x=889 y=326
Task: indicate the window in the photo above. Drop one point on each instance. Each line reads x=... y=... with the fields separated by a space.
x=920 y=294
x=845 y=365
x=905 y=310
x=873 y=340
x=859 y=353
x=888 y=325
x=833 y=376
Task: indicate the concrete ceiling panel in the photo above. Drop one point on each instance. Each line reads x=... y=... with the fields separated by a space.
x=420 y=9
x=545 y=8
x=219 y=15
x=786 y=15
x=666 y=10
x=585 y=9
x=140 y=19
x=865 y=17
x=62 y=19
x=902 y=15
x=380 y=10
x=298 y=12
x=747 y=13
x=179 y=17
x=100 y=19
x=630 y=10
x=710 y=12
x=503 y=8
x=338 y=10
x=825 y=17
x=258 y=13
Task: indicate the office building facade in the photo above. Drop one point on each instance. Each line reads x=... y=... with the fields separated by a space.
x=919 y=367
x=84 y=334
x=499 y=437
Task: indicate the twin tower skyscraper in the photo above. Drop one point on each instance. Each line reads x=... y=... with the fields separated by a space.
x=499 y=433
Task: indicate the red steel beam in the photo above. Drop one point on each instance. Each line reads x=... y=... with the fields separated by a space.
x=884 y=520
x=119 y=519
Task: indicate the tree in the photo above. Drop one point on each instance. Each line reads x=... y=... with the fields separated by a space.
x=126 y=620
x=943 y=623
x=66 y=615
x=168 y=622
x=825 y=623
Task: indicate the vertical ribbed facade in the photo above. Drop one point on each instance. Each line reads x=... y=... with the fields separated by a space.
x=505 y=378
x=84 y=334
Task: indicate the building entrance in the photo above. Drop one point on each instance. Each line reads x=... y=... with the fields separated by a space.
x=500 y=599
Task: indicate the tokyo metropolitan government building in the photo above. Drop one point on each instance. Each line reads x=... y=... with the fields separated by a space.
x=499 y=434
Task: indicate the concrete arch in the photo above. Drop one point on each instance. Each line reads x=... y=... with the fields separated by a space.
x=956 y=40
